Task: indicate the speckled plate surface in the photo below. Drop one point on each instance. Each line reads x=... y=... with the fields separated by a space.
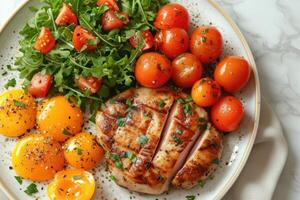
x=238 y=145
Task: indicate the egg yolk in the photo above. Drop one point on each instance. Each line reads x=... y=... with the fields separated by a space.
x=37 y=157
x=72 y=184
x=59 y=118
x=17 y=113
x=82 y=151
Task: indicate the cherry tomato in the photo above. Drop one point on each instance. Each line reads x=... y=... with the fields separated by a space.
x=171 y=16
x=40 y=85
x=91 y=83
x=111 y=4
x=233 y=73
x=113 y=20
x=227 y=114
x=148 y=40
x=172 y=42
x=81 y=39
x=206 y=92
x=206 y=43
x=66 y=16
x=187 y=69
x=45 y=42
x=153 y=70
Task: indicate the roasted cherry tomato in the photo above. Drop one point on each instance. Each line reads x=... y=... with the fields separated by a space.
x=59 y=118
x=171 y=16
x=66 y=16
x=82 y=38
x=72 y=184
x=206 y=92
x=40 y=85
x=232 y=73
x=37 y=158
x=172 y=42
x=45 y=42
x=91 y=83
x=148 y=40
x=153 y=70
x=17 y=113
x=111 y=4
x=206 y=43
x=227 y=114
x=82 y=151
x=113 y=20
x=187 y=69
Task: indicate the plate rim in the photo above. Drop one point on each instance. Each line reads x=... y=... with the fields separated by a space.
x=235 y=28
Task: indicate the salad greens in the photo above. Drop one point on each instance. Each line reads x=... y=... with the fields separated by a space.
x=112 y=61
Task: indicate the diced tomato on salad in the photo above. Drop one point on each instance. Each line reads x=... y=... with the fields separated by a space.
x=45 y=42
x=111 y=4
x=148 y=40
x=83 y=40
x=90 y=83
x=113 y=20
x=66 y=16
x=40 y=85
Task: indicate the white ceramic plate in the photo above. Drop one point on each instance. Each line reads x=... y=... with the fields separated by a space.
x=237 y=145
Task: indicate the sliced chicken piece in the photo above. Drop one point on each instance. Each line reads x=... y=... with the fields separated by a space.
x=137 y=120
x=148 y=134
x=202 y=160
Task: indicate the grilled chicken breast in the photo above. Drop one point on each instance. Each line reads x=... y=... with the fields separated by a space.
x=202 y=160
x=149 y=134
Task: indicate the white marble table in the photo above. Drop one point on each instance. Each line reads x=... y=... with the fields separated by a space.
x=272 y=28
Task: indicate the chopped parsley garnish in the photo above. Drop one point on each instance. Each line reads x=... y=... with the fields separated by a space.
x=187 y=108
x=205 y=31
x=19 y=104
x=129 y=102
x=77 y=177
x=177 y=140
x=113 y=178
x=121 y=121
x=31 y=189
x=119 y=164
x=202 y=183
x=188 y=99
x=190 y=197
x=216 y=161
x=202 y=127
x=19 y=179
x=113 y=101
x=66 y=132
x=179 y=131
x=79 y=151
x=180 y=100
x=117 y=160
x=162 y=103
x=148 y=165
x=143 y=139
x=10 y=83
x=201 y=120
x=203 y=39
x=130 y=156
